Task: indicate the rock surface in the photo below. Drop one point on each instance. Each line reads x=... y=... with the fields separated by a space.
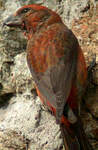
x=24 y=122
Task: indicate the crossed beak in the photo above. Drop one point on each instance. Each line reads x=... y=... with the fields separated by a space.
x=13 y=21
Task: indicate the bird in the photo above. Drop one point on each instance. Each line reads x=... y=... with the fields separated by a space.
x=58 y=67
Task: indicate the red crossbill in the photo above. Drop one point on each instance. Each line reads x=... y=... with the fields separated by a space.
x=57 y=65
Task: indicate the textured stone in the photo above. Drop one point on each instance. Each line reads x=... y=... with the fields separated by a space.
x=22 y=117
x=25 y=115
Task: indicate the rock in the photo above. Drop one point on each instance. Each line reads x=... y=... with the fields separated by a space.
x=95 y=73
x=20 y=74
x=12 y=140
x=72 y=10
x=86 y=31
x=25 y=115
x=91 y=128
x=10 y=7
x=23 y=121
x=91 y=101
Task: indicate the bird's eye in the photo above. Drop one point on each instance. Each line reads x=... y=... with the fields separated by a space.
x=25 y=10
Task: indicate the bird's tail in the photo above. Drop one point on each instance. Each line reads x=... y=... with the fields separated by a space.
x=75 y=138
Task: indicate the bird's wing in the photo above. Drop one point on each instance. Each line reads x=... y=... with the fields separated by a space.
x=55 y=83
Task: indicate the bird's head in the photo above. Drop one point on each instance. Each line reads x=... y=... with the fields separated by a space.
x=32 y=17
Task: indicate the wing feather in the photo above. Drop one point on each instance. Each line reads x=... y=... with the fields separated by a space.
x=55 y=83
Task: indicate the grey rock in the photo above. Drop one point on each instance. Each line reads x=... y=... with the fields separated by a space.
x=72 y=9
x=23 y=114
